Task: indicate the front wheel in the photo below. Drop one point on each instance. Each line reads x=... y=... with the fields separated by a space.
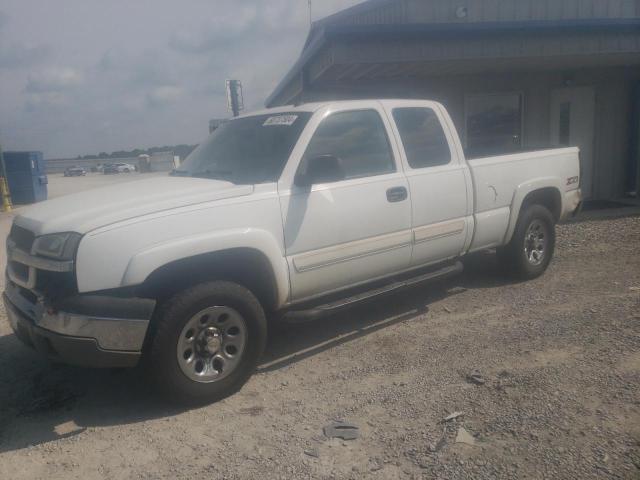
x=531 y=248
x=207 y=344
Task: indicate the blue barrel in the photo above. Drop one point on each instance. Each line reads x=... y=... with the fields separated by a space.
x=26 y=176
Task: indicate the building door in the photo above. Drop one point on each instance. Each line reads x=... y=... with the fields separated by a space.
x=573 y=125
x=633 y=166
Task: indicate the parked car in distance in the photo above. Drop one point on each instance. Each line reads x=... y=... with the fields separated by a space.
x=292 y=212
x=118 y=168
x=109 y=168
x=74 y=171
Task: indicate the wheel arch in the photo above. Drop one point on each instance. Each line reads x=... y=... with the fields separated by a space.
x=249 y=257
x=246 y=266
x=545 y=192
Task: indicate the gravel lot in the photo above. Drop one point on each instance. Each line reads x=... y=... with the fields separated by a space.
x=559 y=358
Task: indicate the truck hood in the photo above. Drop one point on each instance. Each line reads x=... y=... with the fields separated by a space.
x=85 y=211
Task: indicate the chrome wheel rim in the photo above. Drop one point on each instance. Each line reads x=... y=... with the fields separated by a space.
x=211 y=344
x=535 y=242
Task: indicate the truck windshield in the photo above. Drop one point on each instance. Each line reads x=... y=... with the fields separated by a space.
x=247 y=150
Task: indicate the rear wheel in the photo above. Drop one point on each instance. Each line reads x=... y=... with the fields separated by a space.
x=208 y=341
x=531 y=248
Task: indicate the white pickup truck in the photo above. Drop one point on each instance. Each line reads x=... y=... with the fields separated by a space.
x=291 y=212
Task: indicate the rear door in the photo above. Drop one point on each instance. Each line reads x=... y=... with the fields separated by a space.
x=351 y=231
x=439 y=181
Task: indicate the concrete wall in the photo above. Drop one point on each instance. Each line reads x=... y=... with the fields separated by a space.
x=161 y=162
x=58 y=165
x=613 y=87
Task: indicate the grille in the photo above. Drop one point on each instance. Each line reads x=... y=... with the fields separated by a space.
x=20 y=270
x=54 y=285
x=22 y=237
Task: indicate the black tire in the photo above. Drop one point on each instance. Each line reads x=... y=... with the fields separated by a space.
x=515 y=258
x=171 y=318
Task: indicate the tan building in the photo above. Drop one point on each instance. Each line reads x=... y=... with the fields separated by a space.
x=515 y=74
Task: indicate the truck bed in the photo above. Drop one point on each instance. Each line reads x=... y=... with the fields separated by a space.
x=499 y=180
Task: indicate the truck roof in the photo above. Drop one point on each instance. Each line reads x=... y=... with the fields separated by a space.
x=304 y=107
x=313 y=106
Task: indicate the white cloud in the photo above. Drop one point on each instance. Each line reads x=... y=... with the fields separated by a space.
x=164 y=95
x=228 y=25
x=4 y=18
x=234 y=25
x=45 y=100
x=129 y=77
x=54 y=80
x=18 y=55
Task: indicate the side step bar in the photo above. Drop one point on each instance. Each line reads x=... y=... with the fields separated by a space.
x=317 y=311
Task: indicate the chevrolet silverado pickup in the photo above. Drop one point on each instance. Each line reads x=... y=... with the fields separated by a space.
x=288 y=213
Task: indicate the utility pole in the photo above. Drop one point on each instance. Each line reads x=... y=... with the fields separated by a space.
x=235 y=101
x=310 y=14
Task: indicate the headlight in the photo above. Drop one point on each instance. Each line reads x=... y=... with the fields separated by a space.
x=61 y=246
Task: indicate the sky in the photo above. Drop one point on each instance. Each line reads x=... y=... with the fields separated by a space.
x=87 y=76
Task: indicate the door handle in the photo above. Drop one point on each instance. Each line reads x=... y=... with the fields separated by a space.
x=397 y=194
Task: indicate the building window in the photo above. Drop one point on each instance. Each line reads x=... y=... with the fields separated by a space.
x=493 y=124
x=422 y=136
x=564 y=133
x=358 y=138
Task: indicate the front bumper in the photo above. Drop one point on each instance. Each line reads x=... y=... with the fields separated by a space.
x=85 y=330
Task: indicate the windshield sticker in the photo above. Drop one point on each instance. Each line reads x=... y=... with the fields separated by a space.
x=280 y=120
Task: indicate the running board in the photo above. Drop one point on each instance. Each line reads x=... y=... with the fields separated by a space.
x=318 y=311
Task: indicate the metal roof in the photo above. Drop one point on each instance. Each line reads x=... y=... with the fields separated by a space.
x=325 y=30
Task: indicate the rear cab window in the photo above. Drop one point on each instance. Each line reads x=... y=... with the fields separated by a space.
x=423 y=137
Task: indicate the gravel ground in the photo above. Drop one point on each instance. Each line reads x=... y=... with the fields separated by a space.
x=559 y=358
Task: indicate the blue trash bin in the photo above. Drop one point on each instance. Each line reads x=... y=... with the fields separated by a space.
x=26 y=176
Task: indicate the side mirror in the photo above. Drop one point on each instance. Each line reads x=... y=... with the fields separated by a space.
x=320 y=169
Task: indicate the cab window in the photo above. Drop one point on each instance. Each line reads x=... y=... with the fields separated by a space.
x=423 y=138
x=358 y=138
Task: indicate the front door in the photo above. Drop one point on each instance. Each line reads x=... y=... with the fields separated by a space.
x=347 y=232
x=573 y=125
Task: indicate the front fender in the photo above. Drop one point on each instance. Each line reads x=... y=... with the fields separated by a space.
x=143 y=263
x=521 y=193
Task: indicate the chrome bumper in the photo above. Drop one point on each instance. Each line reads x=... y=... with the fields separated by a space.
x=110 y=333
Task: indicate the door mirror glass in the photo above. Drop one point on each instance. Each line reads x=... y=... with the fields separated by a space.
x=320 y=169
